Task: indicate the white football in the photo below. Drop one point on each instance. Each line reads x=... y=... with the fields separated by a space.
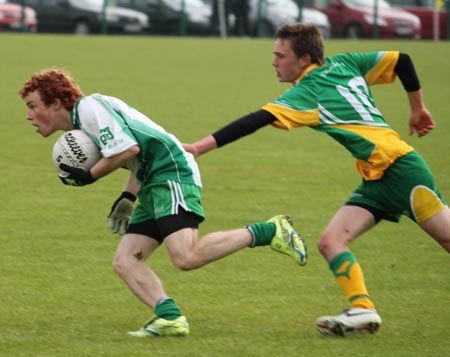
x=75 y=148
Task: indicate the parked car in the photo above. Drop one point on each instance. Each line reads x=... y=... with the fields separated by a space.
x=356 y=19
x=85 y=16
x=267 y=15
x=425 y=10
x=167 y=16
x=11 y=17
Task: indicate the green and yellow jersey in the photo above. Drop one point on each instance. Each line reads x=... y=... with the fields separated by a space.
x=336 y=99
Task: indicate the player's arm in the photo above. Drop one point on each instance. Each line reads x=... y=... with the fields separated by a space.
x=420 y=121
x=109 y=164
x=231 y=132
x=106 y=165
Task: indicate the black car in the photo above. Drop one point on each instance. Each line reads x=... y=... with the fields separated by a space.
x=85 y=16
x=173 y=17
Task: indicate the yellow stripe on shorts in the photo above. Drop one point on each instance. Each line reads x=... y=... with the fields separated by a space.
x=424 y=203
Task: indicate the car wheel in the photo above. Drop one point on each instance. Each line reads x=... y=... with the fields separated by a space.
x=81 y=28
x=353 y=31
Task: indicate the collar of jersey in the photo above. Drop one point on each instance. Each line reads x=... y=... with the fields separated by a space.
x=306 y=71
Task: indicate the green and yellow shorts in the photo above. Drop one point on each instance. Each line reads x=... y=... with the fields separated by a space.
x=406 y=188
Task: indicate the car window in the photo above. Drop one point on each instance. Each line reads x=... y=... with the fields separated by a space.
x=367 y=3
x=90 y=4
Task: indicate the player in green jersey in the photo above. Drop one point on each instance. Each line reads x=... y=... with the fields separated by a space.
x=166 y=180
x=332 y=95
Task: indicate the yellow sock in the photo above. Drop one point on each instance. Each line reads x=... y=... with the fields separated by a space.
x=350 y=278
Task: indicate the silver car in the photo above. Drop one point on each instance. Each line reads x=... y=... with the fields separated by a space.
x=267 y=15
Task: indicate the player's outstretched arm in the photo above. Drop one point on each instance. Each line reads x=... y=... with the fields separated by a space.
x=202 y=146
x=231 y=132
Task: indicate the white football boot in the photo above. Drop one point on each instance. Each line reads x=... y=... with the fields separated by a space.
x=351 y=321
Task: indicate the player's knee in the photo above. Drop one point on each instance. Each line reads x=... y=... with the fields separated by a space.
x=121 y=265
x=185 y=262
x=325 y=243
x=118 y=266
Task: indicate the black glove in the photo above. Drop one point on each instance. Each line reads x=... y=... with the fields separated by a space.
x=121 y=211
x=77 y=177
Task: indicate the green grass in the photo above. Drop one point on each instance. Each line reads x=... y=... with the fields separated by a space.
x=59 y=294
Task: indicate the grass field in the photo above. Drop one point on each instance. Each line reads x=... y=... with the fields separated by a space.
x=59 y=294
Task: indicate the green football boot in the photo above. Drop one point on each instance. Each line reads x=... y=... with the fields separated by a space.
x=161 y=327
x=287 y=240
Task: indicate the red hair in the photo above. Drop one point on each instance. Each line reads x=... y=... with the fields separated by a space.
x=53 y=84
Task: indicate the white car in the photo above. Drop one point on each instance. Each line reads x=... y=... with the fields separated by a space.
x=267 y=15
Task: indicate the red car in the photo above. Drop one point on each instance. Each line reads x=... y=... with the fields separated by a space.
x=356 y=19
x=11 y=17
x=432 y=20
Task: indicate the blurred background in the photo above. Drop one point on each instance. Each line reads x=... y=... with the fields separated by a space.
x=379 y=19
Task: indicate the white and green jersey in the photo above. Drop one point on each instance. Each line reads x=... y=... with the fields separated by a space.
x=336 y=99
x=115 y=127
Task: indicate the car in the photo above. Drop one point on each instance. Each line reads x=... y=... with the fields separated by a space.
x=85 y=16
x=169 y=17
x=434 y=21
x=11 y=17
x=356 y=19
x=267 y=15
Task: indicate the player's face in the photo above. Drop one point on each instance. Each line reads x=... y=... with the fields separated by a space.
x=288 y=66
x=42 y=116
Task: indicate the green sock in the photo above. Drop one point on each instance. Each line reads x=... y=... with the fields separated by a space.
x=167 y=309
x=262 y=233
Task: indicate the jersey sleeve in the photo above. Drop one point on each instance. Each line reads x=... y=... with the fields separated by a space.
x=104 y=126
x=376 y=67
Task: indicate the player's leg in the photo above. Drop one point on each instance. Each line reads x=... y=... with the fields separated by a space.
x=438 y=227
x=129 y=264
x=347 y=224
x=431 y=213
x=183 y=209
x=187 y=252
x=142 y=238
x=423 y=199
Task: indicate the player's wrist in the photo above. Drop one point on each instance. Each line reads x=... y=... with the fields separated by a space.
x=204 y=145
x=128 y=195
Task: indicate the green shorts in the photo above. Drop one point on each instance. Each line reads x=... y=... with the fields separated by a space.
x=406 y=188
x=165 y=199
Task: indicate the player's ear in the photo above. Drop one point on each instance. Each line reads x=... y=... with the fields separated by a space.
x=307 y=57
x=57 y=104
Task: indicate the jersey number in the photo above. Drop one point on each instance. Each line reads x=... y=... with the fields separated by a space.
x=358 y=98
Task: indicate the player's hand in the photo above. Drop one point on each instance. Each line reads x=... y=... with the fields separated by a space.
x=121 y=211
x=421 y=122
x=77 y=176
x=191 y=148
